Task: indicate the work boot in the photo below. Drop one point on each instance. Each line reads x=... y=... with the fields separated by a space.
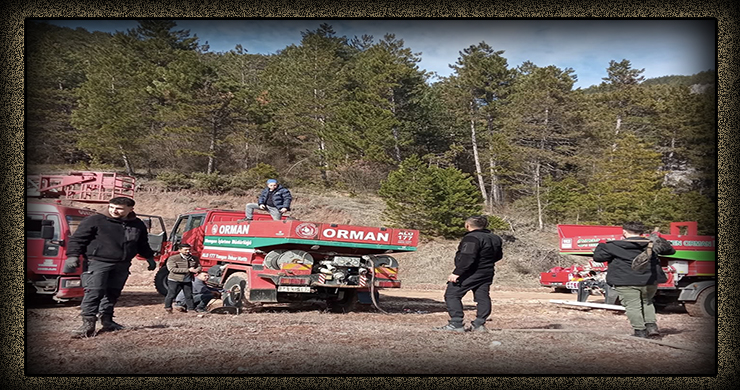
x=87 y=329
x=168 y=310
x=478 y=328
x=452 y=328
x=641 y=333
x=652 y=330
x=182 y=309
x=108 y=324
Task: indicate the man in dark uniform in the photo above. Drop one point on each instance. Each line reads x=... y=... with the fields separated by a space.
x=474 y=263
x=635 y=283
x=109 y=243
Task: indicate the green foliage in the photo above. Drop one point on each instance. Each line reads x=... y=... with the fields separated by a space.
x=174 y=181
x=496 y=223
x=263 y=172
x=211 y=183
x=255 y=177
x=341 y=113
x=434 y=200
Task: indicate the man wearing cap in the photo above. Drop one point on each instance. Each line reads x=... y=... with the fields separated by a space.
x=275 y=199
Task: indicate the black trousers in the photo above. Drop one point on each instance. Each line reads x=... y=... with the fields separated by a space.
x=173 y=288
x=480 y=284
x=102 y=283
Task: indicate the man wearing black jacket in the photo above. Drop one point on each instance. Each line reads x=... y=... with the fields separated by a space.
x=635 y=285
x=109 y=243
x=474 y=263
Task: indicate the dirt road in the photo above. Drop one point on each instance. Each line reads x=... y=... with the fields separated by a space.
x=529 y=335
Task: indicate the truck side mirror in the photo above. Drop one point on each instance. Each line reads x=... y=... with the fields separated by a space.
x=47 y=229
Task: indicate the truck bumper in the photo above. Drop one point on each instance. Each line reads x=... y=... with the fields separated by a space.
x=69 y=288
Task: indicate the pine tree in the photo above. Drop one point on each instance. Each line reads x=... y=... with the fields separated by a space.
x=482 y=78
x=434 y=200
x=543 y=128
x=304 y=91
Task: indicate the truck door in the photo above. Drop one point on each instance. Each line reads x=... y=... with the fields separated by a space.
x=157 y=233
x=44 y=255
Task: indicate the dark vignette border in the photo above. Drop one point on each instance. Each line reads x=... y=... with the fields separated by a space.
x=13 y=164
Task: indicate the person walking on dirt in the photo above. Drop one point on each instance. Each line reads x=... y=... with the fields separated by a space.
x=476 y=255
x=182 y=266
x=108 y=243
x=275 y=199
x=635 y=283
x=202 y=293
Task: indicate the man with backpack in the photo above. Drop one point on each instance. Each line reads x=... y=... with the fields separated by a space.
x=634 y=271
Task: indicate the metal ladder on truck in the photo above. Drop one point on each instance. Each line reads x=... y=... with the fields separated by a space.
x=81 y=186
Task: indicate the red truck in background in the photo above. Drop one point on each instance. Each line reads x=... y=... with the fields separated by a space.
x=691 y=270
x=49 y=224
x=289 y=260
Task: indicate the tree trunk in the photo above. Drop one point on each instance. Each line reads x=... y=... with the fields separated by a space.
x=537 y=180
x=126 y=162
x=397 y=149
x=495 y=186
x=616 y=132
x=478 y=171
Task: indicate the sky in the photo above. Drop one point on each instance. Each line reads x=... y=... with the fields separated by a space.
x=662 y=47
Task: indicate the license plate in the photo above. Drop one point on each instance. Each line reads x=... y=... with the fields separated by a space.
x=297 y=289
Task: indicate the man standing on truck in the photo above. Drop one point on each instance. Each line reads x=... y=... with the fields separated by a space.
x=636 y=284
x=275 y=199
x=109 y=243
x=182 y=267
x=476 y=255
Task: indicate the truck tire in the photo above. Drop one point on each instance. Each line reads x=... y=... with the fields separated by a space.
x=236 y=290
x=385 y=260
x=347 y=304
x=611 y=296
x=160 y=280
x=705 y=304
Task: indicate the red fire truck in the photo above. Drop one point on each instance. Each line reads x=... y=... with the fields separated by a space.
x=691 y=270
x=290 y=260
x=49 y=224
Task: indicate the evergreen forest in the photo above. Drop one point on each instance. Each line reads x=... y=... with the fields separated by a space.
x=357 y=114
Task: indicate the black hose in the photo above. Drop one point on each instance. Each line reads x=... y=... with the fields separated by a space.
x=372 y=286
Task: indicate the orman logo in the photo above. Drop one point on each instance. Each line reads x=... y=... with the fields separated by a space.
x=306 y=230
x=214 y=229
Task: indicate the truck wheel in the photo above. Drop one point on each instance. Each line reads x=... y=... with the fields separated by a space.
x=385 y=260
x=236 y=290
x=346 y=304
x=160 y=280
x=611 y=296
x=705 y=304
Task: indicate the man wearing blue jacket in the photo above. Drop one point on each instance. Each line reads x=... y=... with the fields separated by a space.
x=275 y=199
x=109 y=242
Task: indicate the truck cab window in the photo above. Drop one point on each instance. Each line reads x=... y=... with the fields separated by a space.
x=73 y=222
x=33 y=226
x=196 y=221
